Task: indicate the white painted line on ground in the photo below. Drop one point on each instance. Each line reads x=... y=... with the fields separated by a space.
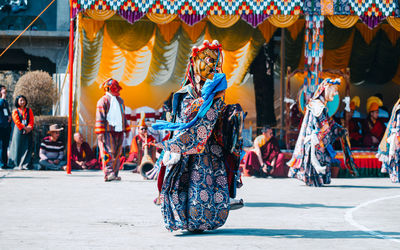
x=349 y=218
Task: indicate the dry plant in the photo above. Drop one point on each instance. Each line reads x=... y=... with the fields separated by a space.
x=38 y=87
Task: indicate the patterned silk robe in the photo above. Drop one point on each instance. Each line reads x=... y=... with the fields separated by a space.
x=389 y=148
x=318 y=132
x=195 y=193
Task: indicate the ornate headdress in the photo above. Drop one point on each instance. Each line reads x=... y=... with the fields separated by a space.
x=142 y=122
x=323 y=85
x=373 y=103
x=111 y=84
x=197 y=52
x=355 y=103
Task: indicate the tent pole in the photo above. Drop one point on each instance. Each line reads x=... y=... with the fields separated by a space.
x=282 y=76
x=71 y=60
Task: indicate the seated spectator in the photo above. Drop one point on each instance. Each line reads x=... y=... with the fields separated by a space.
x=138 y=142
x=52 y=150
x=373 y=128
x=82 y=156
x=266 y=158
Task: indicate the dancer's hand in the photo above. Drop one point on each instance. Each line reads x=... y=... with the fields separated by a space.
x=175 y=157
x=166 y=157
x=171 y=158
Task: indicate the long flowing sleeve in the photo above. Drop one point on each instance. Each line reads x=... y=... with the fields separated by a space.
x=16 y=120
x=31 y=119
x=101 y=118
x=193 y=139
x=126 y=123
x=328 y=129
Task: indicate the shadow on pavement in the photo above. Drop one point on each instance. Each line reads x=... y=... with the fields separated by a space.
x=351 y=186
x=292 y=233
x=22 y=177
x=291 y=205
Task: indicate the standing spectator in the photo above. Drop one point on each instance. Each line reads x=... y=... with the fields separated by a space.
x=5 y=128
x=82 y=156
x=52 y=150
x=21 y=145
x=110 y=126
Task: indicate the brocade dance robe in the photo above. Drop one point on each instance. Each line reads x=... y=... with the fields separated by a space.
x=389 y=148
x=195 y=193
x=318 y=132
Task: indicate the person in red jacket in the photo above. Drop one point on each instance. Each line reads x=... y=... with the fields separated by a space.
x=111 y=124
x=21 y=145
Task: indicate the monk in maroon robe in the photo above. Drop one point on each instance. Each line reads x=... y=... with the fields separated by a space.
x=82 y=156
x=266 y=158
x=373 y=128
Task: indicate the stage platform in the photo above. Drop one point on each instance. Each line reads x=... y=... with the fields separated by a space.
x=367 y=163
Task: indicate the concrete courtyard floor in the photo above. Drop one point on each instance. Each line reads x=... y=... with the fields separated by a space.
x=52 y=210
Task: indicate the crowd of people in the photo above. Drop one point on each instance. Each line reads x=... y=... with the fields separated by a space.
x=20 y=123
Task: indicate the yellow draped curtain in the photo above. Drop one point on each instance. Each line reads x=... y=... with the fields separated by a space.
x=282 y=21
x=296 y=28
x=338 y=58
x=394 y=22
x=343 y=22
x=223 y=21
x=150 y=59
x=366 y=32
x=161 y=18
x=100 y=15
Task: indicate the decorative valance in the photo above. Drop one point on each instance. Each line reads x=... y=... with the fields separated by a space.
x=343 y=22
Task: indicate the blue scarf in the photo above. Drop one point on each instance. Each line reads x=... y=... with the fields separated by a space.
x=208 y=91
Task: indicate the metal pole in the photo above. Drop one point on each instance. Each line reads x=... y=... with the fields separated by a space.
x=282 y=76
x=71 y=61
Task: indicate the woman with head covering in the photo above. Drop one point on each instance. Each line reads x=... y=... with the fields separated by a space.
x=21 y=145
x=313 y=154
x=372 y=127
x=389 y=148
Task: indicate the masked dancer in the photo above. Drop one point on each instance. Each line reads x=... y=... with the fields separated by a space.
x=201 y=166
x=389 y=148
x=313 y=154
